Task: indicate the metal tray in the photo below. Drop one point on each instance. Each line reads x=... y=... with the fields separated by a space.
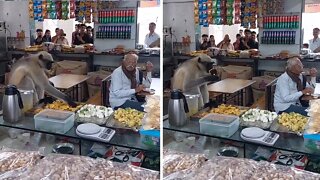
x=31 y=112
x=198 y=116
x=94 y=120
x=113 y=123
x=277 y=127
x=258 y=124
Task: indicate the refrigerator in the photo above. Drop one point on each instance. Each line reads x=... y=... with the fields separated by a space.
x=3 y=48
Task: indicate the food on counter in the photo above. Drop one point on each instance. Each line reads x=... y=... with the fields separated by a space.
x=254 y=115
x=13 y=159
x=55 y=167
x=177 y=161
x=198 y=53
x=152 y=109
x=221 y=168
x=34 y=48
x=90 y=110
x=232 y=53
x=94 y=114
x=129 y=117
x=293 y=121
x=224 y=109
x=59 y=105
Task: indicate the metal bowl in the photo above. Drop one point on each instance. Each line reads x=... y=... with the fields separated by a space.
x=63 y=148
x=228 y=151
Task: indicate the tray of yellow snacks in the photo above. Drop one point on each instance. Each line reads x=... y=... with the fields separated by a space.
x=126 y=119
x=290 y=123
x=56 y=105
x=222 y=109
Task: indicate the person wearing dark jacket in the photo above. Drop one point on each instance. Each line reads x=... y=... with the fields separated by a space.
x=205 y=43
x=246 y=42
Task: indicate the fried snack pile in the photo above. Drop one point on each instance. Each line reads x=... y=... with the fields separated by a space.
x=224 y=109
x=59 y=105
x=129 y=117
x=152 y=108
x=293 y=121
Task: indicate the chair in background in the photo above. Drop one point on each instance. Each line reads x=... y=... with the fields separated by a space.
x=105 y=86
x=269 y=94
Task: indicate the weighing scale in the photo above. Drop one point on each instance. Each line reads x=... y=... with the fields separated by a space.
x=95 y=132
x=260 y=136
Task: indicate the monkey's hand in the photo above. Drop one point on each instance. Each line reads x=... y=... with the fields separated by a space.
x=212 y=78
x=70 y=101
x=46 y=100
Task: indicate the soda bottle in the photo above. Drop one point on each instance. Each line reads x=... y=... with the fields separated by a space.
x=296 y=25
x=132 y=16
x=265 y=22
x=117 y=16
x=276 y=19
x=122 y=16
x=129 y=32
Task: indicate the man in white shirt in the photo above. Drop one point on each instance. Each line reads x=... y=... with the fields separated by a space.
x=127 y=81
x=291 y=86
x=152 y=39
x=314 y=44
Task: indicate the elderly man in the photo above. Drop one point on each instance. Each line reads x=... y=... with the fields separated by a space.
x=291 y=86
x=127 y=81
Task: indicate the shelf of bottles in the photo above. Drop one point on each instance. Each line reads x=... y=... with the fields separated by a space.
x=113 y=32
x=278 y=37
x=116 y=16
x=281 y=22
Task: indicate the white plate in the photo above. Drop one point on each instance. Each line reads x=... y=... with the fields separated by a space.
x=253 y=132
x=89 y=128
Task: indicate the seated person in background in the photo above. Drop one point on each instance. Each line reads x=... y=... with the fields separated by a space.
x=61 y=38
x=255 y=44
x=241 y=32
x=38 y=40
x=126 y=82
x=226 y=43
x=290 y=87
x=82 y=37
x=212 y=41
x=236 y=44
x=152 y=39
x=246 y=42
x=56 y=36
x=205 y=44
x=47 y=36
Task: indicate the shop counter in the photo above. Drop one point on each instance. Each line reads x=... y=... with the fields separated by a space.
x=123 y=138
x=287 y=142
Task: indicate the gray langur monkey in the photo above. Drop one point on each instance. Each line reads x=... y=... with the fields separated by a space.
x=30 y=73
x=193 y=76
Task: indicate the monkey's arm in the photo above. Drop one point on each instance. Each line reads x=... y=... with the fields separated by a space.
x=42 y=81
x=200 y=81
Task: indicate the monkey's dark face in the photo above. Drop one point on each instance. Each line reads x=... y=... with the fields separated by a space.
x=206 y=64
x=46 y=61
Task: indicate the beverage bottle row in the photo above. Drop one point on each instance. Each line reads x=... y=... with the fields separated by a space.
x=116 y=16
x=278 y=37
x=114 y=32
x=281 y=22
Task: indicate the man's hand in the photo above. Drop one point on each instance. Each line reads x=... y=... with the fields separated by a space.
x=149 y=66
x=139 y=88
x=313 y=72
x=307 y=91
